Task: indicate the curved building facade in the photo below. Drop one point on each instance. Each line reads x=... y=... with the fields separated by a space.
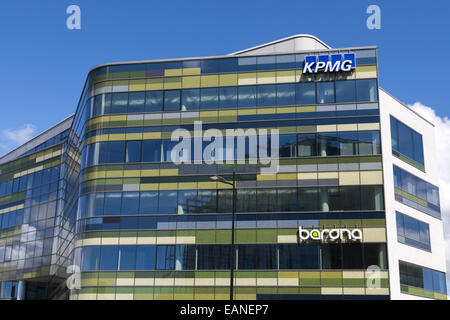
x=278 y=172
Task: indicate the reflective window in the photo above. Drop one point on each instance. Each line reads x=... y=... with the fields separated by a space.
x=345 y=91
x=113 y=203
x=305 y=93
x=165 y=257
x=91 y=258
x=266 y=95
x=127 y=258
x=190 y=99
x=325 y=92
x=171 y=100
x=247 y=96
x=185 y=257
x=148 y=202
x=369 y=142
x=415 y=186
x=146 y=257
x=413 y=232
x=213 y=257
x=133 y=151
x=209 y=98
x=299 y=256
x=406 y=141
x=109 y=256
x=119 y=102
x=227 y=97
x=348 y=143
x=154 y=101
x=328 y=144
x=151 y=151
x=288 y=145
x=116 y=151
x=285 y=94
x=421 y=277
x=366 y=90
x=136 y=102
x=307 y=145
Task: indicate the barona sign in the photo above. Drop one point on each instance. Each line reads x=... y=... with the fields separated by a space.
x=333 y=234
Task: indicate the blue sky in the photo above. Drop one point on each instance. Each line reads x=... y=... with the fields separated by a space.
x=44 y=65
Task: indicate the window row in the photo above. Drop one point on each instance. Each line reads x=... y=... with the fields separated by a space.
x=413 y=232
x=25 y=252
x=345 y=198
x=406 y=141
x=289 y=94
x=416 y=186
x=290 y=146
x=50 y=142
x=29 y=181
x=39 y=213
x=248 y=257
x=223 y=221
x=224 y=65
x=421 y=277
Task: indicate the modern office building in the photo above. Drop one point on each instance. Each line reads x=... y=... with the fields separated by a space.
x=351 y=211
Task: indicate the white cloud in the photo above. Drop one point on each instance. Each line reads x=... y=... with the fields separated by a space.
x=11 y=138
x=442 y=132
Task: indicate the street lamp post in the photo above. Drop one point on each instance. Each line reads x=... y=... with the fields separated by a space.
x=233 y=250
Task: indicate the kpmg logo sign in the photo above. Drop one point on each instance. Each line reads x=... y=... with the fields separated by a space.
x=330 y=63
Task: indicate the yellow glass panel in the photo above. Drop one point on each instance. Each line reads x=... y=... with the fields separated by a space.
x=228 y=79
x=155 y=84
x=172 y=83
x=247 y=78
x=191 y=82
x=137 y=85
x=286 y=76
x=266 y=77
x=173 y=72
x=191 y=71
x=210 y=81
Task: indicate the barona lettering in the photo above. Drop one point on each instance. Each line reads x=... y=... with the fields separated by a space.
x=333 y=234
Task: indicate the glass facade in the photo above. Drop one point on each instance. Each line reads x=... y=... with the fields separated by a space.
x=109 y=200
x=32 y=256
x=161 y=226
